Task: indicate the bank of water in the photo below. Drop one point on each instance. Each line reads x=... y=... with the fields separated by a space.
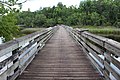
x=114 y=37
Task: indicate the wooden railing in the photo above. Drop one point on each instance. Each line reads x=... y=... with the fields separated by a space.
x=17 y=54
x=104 y=53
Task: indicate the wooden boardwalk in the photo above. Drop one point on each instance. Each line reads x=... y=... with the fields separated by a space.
x=60 y=59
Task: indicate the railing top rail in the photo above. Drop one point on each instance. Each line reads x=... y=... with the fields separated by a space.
x=16 y=54
x=104 y=53
x=13 y=44
x=109 y=44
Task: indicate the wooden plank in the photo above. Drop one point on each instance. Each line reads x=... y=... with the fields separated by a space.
x=112 y=60
x=106 y=75
x=97 y=49
x=17 y=43
x=97 y=39
x=8 y=47
x=95 y=55
x=9 y=70
x=42 y=35
x=45 y=39
x=80 y=30
x=100 y=40
x=115 y=62
x=80 y=36
x=110 y=47
x=113 y=46
x=8 y=60
x=110 y=69
x=14 y=76
x=94 y=62
x=26 y=56
x=90 y=50
x=107 y=56
x=61 y=58
x=22 y=68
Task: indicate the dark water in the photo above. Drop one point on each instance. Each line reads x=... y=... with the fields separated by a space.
x=114 y=37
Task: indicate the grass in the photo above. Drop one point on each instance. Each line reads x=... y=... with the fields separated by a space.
x=105 y=31
x=109 y=31
x=27 y=31
x=102 y=30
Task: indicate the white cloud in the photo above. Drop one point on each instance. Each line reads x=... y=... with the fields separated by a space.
x=36 y=4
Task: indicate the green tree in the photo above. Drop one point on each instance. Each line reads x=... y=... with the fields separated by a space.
x=8 y=28
x=50 y=22
x=73 y=19
x=89 y=12
x=40 y=20
x=95 y=19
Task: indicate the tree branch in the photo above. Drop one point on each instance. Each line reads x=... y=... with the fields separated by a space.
x=10 y=4
x=22 y=2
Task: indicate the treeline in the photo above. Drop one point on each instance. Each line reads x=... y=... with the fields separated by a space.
x=89 y=12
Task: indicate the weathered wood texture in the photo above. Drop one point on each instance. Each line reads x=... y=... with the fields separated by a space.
x=103 y=52
x=17 y=54
x=60 y=59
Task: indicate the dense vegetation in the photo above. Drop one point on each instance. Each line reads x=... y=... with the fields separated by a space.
x=8 y=20
x=89 y=12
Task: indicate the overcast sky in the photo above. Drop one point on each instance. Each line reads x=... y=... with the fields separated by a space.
x=36 y=4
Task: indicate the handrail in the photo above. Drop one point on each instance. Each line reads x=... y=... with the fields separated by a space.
x=15 y=55
x=104 y=53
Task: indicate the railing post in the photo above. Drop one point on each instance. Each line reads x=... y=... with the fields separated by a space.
x=15 y=55
x=103 y=52
x=107 y=57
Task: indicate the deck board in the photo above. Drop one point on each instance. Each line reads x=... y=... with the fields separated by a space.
x=60 y=59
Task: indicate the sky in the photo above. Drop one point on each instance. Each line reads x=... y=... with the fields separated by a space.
x=36 y=4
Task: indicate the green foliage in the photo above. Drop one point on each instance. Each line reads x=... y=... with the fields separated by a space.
x=8 y=28
x=117 y=24
x=49 y=16
x=39 y=20
x=89 y=12
x=50 y=22
x=26 y=18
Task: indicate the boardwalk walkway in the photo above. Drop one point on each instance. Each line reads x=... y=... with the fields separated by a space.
x=60 y=59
